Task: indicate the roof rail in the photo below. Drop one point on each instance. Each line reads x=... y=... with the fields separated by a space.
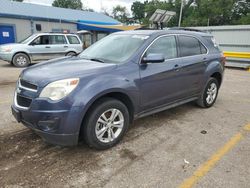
x=185 y=29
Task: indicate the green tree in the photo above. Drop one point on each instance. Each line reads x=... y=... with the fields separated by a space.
x=120 y=13
x=212 y=12
x=72 y=4
x=138 y=11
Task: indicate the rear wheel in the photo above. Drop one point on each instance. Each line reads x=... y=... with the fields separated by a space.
x=106 y=123
x=71 y=54
x=21 y=60
x=209 y=95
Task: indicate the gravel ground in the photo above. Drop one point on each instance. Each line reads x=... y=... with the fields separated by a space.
x=161 y=150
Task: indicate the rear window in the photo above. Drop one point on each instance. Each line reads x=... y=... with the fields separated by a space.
x=211 y=40
x=73 y=39
x=190 y=46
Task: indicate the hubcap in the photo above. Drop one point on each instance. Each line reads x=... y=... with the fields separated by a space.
x=21 y=60
x=109 y=125
x=211 y=93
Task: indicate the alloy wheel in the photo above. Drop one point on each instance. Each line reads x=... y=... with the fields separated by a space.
x=109 y=125
x=211 y=93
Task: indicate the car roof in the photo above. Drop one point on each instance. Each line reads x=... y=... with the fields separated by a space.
x=54 y=33
x=163 y=32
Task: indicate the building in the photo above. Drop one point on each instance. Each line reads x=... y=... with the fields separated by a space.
x=19 y=20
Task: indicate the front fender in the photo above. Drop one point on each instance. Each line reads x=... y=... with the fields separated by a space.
x=96 y=88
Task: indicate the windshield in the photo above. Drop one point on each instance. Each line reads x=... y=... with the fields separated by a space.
x=114 y=48
x=27 y=39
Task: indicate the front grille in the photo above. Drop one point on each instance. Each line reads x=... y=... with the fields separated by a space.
x=28 y=85
x=23 y=101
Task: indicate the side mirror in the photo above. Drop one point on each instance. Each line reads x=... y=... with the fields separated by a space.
x=153 y=58
x=32 y=44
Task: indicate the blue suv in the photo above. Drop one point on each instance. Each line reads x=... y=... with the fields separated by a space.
x=127 y=75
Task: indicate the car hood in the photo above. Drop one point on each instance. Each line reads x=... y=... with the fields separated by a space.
x=63 y=68
x=11 y=45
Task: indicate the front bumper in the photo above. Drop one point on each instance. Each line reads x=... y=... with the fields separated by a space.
x=6 y=56
x=59 y=127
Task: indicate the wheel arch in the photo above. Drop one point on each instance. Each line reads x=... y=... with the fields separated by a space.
x=121 y=96
x=26 y=53
x=218 y=77
x=70 y=52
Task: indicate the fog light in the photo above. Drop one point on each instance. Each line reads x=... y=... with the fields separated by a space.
x=49 y=125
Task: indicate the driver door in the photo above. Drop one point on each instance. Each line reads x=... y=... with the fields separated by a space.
x=40 y=48
x=159 y=84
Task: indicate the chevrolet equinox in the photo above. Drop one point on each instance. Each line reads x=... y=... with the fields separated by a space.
x=126 y=75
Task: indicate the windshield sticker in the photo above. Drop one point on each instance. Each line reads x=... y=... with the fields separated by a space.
x=142 y=37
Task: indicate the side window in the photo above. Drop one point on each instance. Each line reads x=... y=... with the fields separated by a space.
x=203 y=49
x=41 y=40
x=73 y=39
x=57 y=39
x=190 y=46
x=164 y=45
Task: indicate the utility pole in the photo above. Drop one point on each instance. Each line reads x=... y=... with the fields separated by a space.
x=180 y=17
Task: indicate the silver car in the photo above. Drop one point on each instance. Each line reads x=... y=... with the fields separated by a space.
x=41 y=46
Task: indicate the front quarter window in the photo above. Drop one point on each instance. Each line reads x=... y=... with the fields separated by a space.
x=115 y=48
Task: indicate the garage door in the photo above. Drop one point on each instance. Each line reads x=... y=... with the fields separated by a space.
x=6 y=34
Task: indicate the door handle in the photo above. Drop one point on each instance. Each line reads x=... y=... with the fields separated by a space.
x=176 y=67
x=65 y=46
x=47 y=46
x=204 y=60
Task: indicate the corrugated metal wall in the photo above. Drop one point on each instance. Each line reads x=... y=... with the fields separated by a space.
x=231 y=38
x=234 y=40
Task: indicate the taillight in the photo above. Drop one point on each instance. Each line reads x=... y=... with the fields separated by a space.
x=223 y=59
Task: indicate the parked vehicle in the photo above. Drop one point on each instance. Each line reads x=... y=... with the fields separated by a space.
x=41 y=46
x=125 y=76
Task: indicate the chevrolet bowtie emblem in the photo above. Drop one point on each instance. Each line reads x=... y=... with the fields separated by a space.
x=18 y=90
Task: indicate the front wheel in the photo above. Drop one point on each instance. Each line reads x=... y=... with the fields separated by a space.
x=106 y=123
x=209 y=95
x=21 y=60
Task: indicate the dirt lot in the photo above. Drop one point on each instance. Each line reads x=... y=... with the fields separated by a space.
x=183 y=146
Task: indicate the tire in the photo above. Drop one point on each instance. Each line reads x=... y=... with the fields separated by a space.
x=95 y=124
x=21 y=60
x=207 y=100
x=71 y=54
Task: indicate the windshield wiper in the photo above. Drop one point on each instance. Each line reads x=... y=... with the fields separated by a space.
x=96 y=59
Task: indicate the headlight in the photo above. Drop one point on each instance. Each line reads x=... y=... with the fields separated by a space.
x=6 y=49
x=59 y=89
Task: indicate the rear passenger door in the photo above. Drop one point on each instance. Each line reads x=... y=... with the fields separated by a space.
x=192 y=65
x=58 y=46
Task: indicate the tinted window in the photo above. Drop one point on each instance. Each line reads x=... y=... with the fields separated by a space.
x=41 y=40
x=73 y=40
x=165 y=46
x=212 y=42
x=57 y=39
x=190 y=46
x=203 y=49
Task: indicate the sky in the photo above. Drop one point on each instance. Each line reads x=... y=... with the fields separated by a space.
x=97 y=5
